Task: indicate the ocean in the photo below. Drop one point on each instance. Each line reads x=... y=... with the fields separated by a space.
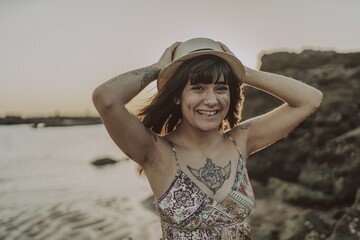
x=50 y=190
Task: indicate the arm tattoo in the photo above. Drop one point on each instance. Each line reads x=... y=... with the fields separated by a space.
x=245 y=126
x=212 y=176
x=109 y=82
x=149 y=74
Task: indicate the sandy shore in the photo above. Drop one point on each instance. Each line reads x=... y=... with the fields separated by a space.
x=111 y=218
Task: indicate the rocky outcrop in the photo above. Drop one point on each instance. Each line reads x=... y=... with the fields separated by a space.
x=106 y=161
x=348 y=227
x=317 y=165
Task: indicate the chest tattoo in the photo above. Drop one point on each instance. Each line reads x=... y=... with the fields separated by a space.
x=212 y=176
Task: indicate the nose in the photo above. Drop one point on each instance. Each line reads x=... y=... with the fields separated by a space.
x=210 y=98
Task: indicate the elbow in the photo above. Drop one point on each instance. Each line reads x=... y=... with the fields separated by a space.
x=317 y=98
x=101 y=99
x=313 y=101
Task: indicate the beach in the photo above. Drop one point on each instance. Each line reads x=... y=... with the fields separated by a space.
x=50 y=190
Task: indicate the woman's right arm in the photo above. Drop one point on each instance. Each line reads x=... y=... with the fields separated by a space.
x=110 y=98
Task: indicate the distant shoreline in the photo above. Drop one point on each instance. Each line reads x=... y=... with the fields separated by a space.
x=56 y=121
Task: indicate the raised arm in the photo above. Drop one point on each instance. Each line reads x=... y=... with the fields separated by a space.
x=300 y=100
x=125 y=129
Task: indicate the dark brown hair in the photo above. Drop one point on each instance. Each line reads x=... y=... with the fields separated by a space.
x=163 y=114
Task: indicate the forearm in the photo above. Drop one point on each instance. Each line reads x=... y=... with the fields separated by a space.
x=291 y=91
x=121 y=89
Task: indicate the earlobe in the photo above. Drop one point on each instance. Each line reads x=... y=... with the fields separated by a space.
x=177 y=101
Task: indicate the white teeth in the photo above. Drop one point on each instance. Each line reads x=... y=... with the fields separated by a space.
x=207 y=113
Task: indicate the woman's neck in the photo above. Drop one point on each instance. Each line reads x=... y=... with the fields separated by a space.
x=190 y=138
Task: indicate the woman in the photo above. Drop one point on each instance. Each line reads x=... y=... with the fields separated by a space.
x=189 y=141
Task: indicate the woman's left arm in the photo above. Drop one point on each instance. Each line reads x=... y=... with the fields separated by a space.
x=300 y=100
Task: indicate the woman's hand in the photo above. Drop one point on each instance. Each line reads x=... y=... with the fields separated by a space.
x=166 y=58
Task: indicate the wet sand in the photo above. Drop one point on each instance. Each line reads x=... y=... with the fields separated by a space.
x=110 y=218
x=106 y=218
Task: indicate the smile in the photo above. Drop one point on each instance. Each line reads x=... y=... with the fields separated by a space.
x=207 y=113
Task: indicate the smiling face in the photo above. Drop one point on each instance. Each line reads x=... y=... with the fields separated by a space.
x=205 y=105
x=210 y=73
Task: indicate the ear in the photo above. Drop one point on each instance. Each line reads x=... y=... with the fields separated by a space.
x=177 y=101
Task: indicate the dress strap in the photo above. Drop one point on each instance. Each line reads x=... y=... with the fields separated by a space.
x=240 y=168
x=175 y=156
x=234 y=142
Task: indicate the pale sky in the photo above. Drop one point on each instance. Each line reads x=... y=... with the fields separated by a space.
x=53 y=53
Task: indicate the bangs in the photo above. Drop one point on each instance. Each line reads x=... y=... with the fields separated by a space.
x=207 y=69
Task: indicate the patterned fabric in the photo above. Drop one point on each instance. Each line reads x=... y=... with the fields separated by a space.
x=186 y=212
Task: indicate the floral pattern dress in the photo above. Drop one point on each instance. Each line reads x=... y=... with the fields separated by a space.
x=186 y=212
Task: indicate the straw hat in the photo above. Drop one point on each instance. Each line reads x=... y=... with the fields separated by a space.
x=197 y=47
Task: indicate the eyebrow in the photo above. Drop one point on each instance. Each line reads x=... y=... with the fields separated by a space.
x=221 y=83
x=217 y=83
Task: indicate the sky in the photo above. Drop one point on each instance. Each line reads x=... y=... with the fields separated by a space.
x=54 y=53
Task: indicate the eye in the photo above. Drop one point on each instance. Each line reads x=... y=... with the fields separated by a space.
x=223 y=88
x=197 y=88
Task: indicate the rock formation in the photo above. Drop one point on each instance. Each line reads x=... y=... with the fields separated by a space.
x=106 y=161
x=317 y=165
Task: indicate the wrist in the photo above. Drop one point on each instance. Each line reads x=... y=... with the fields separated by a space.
x=149 y=74
x=248 y=72
x=155 y=69
x=158 y=66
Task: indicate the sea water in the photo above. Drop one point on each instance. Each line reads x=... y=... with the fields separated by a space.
x=53 y=162
x=42 y=166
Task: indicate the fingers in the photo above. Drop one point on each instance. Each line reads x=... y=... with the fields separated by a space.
x=174 y=46
x=225 y=48
x=167 y=55
x=170 y=50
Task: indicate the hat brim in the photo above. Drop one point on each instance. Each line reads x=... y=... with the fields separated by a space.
x=168 y=71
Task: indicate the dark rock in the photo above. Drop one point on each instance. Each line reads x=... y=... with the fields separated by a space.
x=309 y=224
x=322 y=153
x=297 y=194
x=262 y=233
x=103 y=161
x=308 y=59
x=348 y=227
x=317 y=165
